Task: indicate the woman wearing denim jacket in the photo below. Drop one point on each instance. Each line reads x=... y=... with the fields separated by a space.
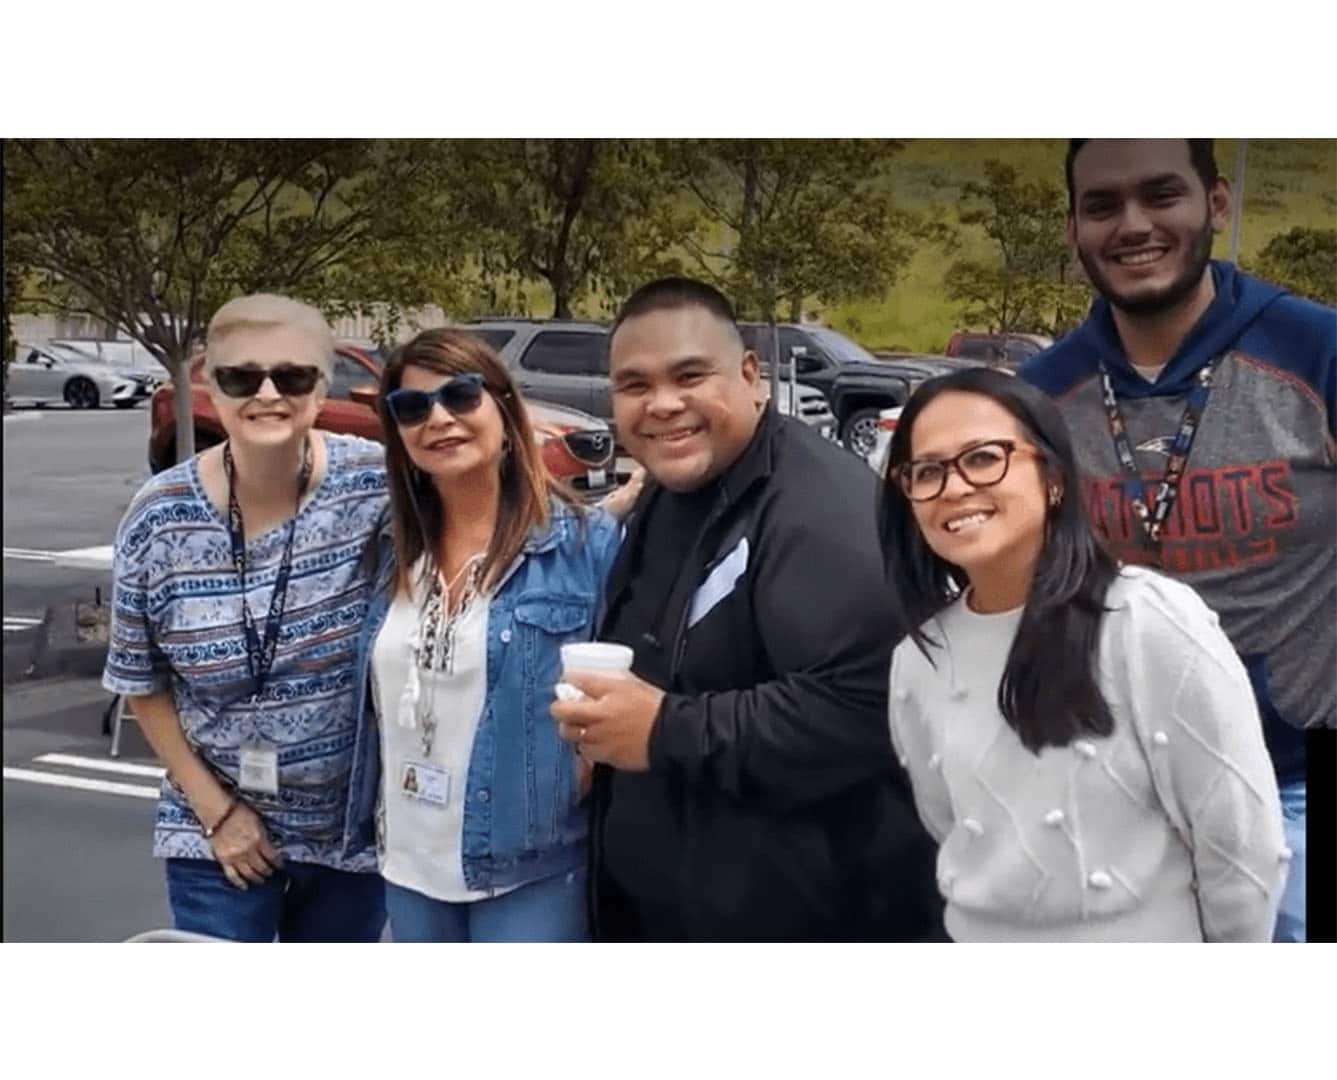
x=485 y=571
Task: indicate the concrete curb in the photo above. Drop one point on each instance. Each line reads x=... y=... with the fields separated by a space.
x=67 y=651
x=56 y=649
x=22 y=649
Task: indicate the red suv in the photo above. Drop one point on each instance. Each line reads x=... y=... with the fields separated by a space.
x=999 y=350
x=577 y=447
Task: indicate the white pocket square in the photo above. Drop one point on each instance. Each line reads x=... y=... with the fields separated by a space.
x=719 y=584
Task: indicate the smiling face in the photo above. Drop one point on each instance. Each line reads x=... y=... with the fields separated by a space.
x=684 y=394
x=446 y=446
x=991 y=531
x=267 y=419
x=1142 y=221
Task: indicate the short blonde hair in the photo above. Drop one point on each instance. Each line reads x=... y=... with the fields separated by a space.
x=268 y=311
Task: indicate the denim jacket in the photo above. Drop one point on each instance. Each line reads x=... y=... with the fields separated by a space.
x=522 y=815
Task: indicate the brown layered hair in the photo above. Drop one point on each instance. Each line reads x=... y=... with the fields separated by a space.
x=418 y=514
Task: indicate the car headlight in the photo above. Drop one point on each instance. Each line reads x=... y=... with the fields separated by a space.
x=591 y=448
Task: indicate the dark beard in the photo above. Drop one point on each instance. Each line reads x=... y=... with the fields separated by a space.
x=1174 y=294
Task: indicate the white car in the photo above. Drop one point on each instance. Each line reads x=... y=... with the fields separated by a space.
x=41 y=375
x=813 y=409
x=124 y=357
x=114 y=357
x=886 y=426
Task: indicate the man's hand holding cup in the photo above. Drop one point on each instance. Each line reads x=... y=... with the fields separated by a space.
x=602 y=709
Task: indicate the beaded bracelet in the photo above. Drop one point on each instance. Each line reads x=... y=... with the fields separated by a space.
x=209 y=832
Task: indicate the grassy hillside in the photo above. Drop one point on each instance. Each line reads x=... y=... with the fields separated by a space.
x=1288 y=182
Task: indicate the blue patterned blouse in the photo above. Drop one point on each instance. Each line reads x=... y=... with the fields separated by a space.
x=177 y=626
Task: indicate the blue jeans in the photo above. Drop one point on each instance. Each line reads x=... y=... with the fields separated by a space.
x=1291 y=917
x=548 y=910
x=301 y=902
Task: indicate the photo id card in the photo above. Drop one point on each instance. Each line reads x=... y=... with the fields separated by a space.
x=259 y=768
x=426 y=783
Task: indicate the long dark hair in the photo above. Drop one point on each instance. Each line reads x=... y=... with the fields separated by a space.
x=415 y=506
x=1048 y=694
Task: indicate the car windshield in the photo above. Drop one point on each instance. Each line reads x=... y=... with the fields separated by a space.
x=72 y=355
x=839 y=346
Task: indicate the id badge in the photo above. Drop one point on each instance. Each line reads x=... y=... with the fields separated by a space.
x=425 y=783
x=259 y=768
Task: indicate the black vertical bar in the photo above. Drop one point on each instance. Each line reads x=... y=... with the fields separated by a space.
x=1321 y=835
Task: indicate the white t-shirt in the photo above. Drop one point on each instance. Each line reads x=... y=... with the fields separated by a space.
x=1169 y=829
x=421 y=840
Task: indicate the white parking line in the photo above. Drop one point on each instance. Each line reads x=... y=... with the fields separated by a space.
x=21 y=622
x=29 y=554
x=86 y=558
x=21 y=416
x=101 y=765
x=81 y=783
x=89 y=558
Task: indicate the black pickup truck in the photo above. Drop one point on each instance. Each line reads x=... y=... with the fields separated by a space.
x=857 y=384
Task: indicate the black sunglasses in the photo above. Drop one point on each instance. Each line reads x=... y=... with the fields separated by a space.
x=290 y=380
x=458 y=395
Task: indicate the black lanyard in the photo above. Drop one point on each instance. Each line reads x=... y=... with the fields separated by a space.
x=260 y=656
x=1153 y=520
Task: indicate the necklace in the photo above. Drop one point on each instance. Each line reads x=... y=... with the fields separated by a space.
x=440 y=624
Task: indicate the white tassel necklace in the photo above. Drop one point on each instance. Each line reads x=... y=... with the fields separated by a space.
x=432 y=644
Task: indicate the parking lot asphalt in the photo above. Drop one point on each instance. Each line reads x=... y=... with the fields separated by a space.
x=68 y=477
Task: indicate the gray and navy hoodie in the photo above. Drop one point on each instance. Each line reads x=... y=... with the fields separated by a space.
x=1254 y=529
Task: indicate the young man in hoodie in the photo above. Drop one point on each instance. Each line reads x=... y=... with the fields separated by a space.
x=1202 y=402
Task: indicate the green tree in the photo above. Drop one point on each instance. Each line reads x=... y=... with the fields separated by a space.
x=778 y=221
x=1028 y=285
x=13 y=279
x=152 y=236
x=578 y=215
x=1303 y=261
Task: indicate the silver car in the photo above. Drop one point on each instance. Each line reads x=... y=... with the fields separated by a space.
x=39 y=376
x=566 y=362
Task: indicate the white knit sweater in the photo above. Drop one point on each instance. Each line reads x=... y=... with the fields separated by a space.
x=1168 y=830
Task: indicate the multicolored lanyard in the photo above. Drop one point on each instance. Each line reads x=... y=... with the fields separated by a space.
x=1153 y=519
x=260 y=655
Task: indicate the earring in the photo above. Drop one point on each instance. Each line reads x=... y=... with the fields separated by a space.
x=1055 y=496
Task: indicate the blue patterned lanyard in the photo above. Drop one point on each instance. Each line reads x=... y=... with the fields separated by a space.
x=260 y=655
x=1153 y=520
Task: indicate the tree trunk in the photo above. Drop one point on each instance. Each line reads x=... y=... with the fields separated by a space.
x=774 y=343
x=564 y=279
x=561 y=292
x=182 y=408
x=749 y=193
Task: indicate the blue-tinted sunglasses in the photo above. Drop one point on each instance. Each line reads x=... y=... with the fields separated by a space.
x=458 y=395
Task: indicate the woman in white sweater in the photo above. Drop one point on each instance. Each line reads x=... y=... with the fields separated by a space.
x=1082 y=738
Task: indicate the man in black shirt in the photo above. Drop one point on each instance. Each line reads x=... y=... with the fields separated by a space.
x=745 y=786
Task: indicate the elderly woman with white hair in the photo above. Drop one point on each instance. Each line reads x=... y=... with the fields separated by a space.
x=241 y=581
